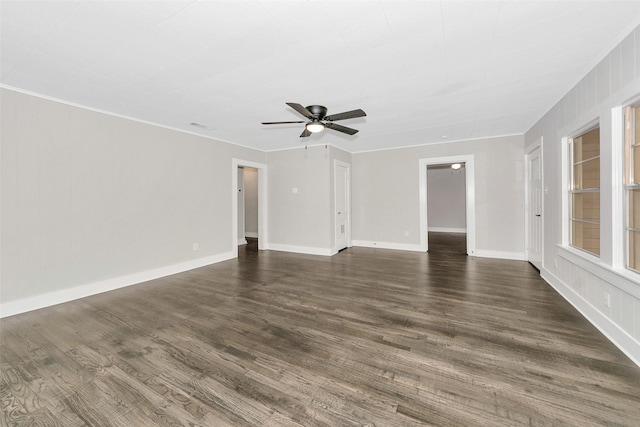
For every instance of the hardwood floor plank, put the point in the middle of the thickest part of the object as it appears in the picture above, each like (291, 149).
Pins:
(368, 337)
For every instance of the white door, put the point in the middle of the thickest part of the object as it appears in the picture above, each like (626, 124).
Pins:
(534, 208)
(341, 181)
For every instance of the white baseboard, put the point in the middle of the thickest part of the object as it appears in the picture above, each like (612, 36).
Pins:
(447, 230)
(242, 242)
(251, 234)
(310, 250)
(388, 245)
(516, 256)
(626, 343)
(65, 295)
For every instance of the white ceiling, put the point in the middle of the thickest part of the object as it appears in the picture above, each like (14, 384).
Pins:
(422, 70)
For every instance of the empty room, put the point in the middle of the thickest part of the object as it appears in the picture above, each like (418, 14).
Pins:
(319, 213)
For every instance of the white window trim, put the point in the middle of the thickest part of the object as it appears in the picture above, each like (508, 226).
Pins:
(567, 185)
(620, 198)
(619, 212)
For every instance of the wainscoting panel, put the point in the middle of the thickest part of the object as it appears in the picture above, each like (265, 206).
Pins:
(608, 299)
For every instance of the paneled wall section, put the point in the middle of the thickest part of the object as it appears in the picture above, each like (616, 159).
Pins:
(600, 287)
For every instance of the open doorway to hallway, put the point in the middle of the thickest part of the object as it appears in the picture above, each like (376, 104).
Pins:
(446, 208)
(250, 217)
(439, 207)
(249, 204)
(250, 180)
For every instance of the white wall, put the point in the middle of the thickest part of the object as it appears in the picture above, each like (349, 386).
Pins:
(446, 207)
(386, 195)
(300, 221)
(91, 202)
(303, 221)
(582, 280)
(251, 202)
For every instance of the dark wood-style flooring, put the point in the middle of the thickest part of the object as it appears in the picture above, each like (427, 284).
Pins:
(368, 337)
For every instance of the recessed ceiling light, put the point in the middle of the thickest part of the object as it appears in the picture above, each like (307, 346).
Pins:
(444, 137)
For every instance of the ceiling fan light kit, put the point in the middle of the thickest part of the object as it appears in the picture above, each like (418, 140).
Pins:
(319, 119)
(315, 127)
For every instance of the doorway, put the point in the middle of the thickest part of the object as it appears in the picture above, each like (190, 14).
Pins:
(534, 205)
(469, 198)
(247, 205)
(238, 201)
(241, 201)
(250, 179)
(446, 208)
(342, 194)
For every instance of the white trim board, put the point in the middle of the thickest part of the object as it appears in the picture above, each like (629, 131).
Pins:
(388, 245)
(618, 193)
(309, 250)
(65, 295)
(516, 256)
(447, 230)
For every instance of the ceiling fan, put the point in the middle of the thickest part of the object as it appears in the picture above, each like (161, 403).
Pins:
(318, 119)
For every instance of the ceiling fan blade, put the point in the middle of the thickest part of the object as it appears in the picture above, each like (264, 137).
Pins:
(300, 109)
(305, 133)
(279, 123)
(341, 128)
(346, 115)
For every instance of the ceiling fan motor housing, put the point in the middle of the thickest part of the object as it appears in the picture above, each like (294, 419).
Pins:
(318, 111)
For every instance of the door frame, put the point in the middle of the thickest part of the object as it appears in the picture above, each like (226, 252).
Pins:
(470, 197)
(262, 203)
(240, 213)
(536, 145)
(338, 163)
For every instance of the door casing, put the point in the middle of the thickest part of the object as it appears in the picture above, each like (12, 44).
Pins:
(470, 199)
(263, 234)
(534, 208)
(342, 209)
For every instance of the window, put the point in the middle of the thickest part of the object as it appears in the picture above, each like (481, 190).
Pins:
(584, 197)
(632, 185)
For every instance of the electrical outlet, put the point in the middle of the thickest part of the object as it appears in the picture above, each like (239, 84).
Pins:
(406, 234)
(607, 299)
(195, 247)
